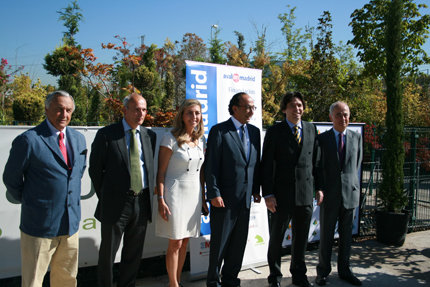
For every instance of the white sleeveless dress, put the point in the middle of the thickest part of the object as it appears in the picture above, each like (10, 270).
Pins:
(182, 191)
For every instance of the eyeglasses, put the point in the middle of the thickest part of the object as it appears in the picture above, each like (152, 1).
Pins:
(249, 108)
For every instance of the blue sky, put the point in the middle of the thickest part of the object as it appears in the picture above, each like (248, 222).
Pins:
(30, 29)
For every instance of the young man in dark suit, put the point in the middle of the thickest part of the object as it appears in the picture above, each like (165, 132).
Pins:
(287, 168)
(122, 172)
(338, 192)
(232, 177)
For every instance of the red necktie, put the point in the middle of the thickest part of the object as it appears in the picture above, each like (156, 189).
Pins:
(63, 148)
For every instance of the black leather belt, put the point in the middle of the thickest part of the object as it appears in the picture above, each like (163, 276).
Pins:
(134, 194)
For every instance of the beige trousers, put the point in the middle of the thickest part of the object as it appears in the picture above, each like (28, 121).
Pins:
(37, 254)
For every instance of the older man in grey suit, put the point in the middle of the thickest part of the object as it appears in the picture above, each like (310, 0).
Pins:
(338, 191)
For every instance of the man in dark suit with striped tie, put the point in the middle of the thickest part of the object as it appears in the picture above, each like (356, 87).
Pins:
(288, 160)
(338, 191)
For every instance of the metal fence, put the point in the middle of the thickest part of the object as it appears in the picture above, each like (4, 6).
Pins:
(416, 182)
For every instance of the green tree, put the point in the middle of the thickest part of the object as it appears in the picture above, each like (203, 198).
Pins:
(71, 18)
(323, 84)
(216, 49)
(369, 26)
(295, 40)
(240, 41)
(391, 192)
(66, 62)
(28, 103)
(147, 79)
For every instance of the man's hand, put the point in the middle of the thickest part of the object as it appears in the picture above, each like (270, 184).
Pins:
(257, 197)
(217, 201)
(319, 196)
(271, 203)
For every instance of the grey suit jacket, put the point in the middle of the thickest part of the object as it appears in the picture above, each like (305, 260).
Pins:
(340, 184)
(37, 175)
(287, 168)
(228, 173)
(110, 169)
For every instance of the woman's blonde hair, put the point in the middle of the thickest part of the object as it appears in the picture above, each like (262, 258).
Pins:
(179, 131)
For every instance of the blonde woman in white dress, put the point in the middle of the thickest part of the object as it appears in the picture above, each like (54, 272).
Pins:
(179, 186)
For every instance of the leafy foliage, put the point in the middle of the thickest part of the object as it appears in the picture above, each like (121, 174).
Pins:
(28, 104)
(391, 192)
(369, 26)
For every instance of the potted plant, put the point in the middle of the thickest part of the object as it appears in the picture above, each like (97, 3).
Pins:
(391, 220)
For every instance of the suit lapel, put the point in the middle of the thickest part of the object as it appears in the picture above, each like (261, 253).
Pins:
(51, 141)
(146, 145)
(332, 145)
(233, 132)
(73, 145)
(288, 134)
(122, 145)
(348, 144)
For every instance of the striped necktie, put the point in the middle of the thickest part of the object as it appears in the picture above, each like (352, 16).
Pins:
(297, 134)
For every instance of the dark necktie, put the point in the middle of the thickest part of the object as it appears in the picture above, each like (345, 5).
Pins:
(135, 172)
(63, 148)
(297, 134)
(243, 138)
(341, 150)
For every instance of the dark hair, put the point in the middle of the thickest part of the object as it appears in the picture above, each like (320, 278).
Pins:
(235, 101)
(289, 96)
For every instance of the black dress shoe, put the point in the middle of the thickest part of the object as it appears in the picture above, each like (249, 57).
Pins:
(303, 282)
(320, 280)
(351, 279)
(275, 284)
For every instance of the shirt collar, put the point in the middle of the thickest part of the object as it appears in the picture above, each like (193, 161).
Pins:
(126, 126)
(336, 133)
(236, 123)
(291, 125)
(54, 130)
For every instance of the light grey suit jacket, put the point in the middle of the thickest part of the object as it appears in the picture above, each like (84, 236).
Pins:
(340, 184)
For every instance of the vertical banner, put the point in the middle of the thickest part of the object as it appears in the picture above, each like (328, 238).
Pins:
(314, 229)
(214, 85)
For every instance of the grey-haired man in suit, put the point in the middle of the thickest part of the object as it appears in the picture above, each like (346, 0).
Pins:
(122, 172)
(43, 173)
(338, 191)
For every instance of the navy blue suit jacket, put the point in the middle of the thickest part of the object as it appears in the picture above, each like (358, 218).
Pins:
(227, 171)
(37, 176)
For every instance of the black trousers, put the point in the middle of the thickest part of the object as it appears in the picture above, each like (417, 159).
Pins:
(329, 215)
(229, 233)
(132, 225)
(301, 218)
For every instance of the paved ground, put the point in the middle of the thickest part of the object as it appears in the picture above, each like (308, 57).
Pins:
(373, 263)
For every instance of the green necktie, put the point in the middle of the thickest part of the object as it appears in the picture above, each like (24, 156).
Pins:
(297, 134)
(135, 168)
